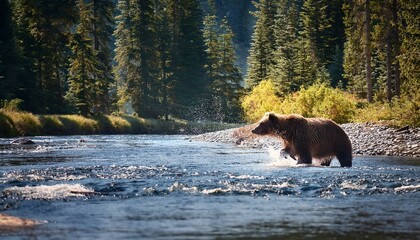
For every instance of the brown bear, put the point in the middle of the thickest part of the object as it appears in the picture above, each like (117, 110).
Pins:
(307, 138)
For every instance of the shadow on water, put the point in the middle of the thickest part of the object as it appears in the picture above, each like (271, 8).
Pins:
(391, 160)
(166, 187)
(32, 161)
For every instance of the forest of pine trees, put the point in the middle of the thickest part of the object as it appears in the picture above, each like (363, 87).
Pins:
(183, 58)
(369, 47)
(102, 56)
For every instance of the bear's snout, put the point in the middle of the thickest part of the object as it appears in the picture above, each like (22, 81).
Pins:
(257, 130)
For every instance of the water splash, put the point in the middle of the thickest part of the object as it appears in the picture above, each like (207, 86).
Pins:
(409, 188)
(58, 191)
(278, 159)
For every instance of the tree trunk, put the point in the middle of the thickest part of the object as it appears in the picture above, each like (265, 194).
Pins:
(368, 53)
(388, 65)
(59, 85)
(397, 47)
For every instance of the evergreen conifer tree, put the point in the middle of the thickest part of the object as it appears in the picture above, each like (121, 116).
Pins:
(354, 62)
(315, 48)
(263, 43)
(103, 27)
(42, 29)
(136, 55)
(230, 76)
(221, 68)
(191, 85)
(84, 65)
(410, 48)
(166, 56)
(9, 64)
(283, 72)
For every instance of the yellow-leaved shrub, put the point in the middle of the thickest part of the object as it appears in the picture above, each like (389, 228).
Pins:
(260, 100)
(318, 100)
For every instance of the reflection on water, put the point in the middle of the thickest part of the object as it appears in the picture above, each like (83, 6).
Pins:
(167, 187)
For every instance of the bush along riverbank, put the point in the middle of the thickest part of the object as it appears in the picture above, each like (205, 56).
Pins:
(18, 124)
(366, 139)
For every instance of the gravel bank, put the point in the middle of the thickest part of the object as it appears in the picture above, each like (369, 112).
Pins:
(366, 138)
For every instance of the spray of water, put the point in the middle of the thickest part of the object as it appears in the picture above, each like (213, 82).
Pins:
(278, 159)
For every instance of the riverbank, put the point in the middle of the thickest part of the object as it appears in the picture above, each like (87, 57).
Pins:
(366, 138)
(19, 124)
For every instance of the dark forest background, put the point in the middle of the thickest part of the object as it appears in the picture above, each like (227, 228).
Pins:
(195, 60)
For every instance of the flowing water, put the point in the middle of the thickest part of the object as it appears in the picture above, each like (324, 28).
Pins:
(167, 187)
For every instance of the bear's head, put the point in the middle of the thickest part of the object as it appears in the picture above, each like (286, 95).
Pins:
(267, 124)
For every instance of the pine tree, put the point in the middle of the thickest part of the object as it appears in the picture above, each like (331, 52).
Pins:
(123, 67)
(42, 29)
(263, 43)
(8, 54)
(211, 38)
(191, 85)
(315, 52)
(409, 58)
(370, 61)
(354, 62)
(84, 65)
(136, 55)
(230, 85)
(166, 56)
(336, 70)
(368, 50)
(385, 44)
(336, 34)
(221, 68)
(317, 31)
(283, 72)
(103, 26)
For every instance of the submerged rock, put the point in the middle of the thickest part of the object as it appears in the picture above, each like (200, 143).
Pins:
(22, 141)
(7, 221)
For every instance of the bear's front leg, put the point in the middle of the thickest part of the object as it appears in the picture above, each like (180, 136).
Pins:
(304, 157)
(287, 152)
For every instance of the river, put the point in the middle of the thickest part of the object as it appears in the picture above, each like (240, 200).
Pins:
(168, 187)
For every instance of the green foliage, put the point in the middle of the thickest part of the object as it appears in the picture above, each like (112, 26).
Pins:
(9, 58)
(296, 43)
(42, 30)
(400, 112)
(222, 71)
(409, 58)
(11, 105)
(168, 64)
(136, 55)
(394, 46)
(103, 27)
(263, 43)
(191, 84)
(284, 71)
(84, 65)
(53, 125)
(160, 57)
(90, 72)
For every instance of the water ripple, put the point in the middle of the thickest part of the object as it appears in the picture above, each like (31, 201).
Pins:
(132, 181)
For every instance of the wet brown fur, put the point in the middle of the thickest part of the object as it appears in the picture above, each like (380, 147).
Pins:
(308, 138)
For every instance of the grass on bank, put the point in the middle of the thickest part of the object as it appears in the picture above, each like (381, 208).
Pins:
(17, 123)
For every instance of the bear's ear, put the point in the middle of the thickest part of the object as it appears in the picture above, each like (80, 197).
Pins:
(272, 116)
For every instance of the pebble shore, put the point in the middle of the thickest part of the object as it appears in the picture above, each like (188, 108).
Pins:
(366, 139)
